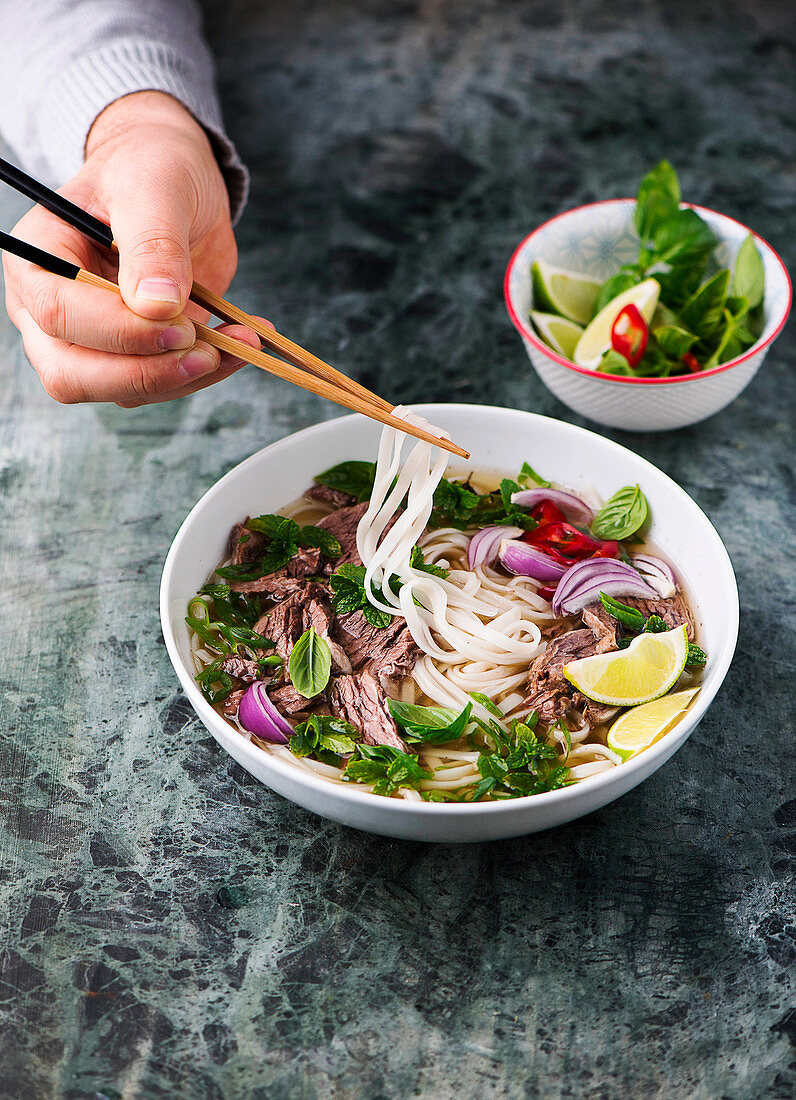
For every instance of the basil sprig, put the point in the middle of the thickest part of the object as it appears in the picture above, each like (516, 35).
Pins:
(310, 664)
(283, 537)
(431, 725)
(622, 515)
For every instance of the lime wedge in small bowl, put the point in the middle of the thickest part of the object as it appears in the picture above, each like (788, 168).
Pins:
(649, 667)
(640, 727)
(596, 338)
(562, 335)
(568, 293)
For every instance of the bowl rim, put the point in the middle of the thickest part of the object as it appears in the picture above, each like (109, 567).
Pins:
(528, 333)
(222, 729)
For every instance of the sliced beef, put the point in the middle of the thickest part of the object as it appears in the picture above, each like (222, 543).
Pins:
(307, 606)
(361, 700)
(602, 625)
(390, 652)
(232, 702)
(550, 695)
(242, 669)
(343, 525)
(245, 546)
(336, 497)
(303, 564)
(674, 611)
(594, 713)
(288, 701)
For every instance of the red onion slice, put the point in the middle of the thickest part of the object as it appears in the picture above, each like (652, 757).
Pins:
(484, 544)
(526, 561)
(573, 507)
(258, 715)
(658, 573)
(583, 582)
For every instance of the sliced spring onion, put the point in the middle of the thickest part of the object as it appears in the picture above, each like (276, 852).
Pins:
(258, 715)
(484, 544)
(583, 582)
(525, 560)
(573, 507)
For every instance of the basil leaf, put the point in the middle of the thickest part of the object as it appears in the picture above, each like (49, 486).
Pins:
(617, 284)
(432, 725)
(703, 311)
(674, 340)
(734, 338)
(630, 617)
(622, 515)
(658, 198)
(748, 275)
(310, 664)
(683, 238)
(528, 476)
(487, 703)
(354, 477)
(614, 363)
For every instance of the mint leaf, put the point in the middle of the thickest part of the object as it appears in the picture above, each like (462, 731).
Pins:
(387, 768)
(354, 477)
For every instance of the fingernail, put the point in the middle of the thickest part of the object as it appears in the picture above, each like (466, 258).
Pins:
(198, 362)
(158, 290)
(176, 337)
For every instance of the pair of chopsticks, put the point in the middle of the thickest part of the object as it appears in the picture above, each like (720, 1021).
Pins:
(302, 368)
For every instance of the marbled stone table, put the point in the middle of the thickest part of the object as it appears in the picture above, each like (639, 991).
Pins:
(169, 927)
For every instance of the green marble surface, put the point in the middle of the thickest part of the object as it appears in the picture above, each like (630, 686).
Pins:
(169, 927)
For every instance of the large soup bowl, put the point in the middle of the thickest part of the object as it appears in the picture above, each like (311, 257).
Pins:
(499, 439)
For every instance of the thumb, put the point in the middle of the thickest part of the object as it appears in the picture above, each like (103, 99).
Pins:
(152, 233)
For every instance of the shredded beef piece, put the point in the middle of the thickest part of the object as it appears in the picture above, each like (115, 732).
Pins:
(242, 669)
(390, 652)
(288, 701)
(360, 700)
(245, 546)
(602, 625)
(307, 606)
(304, 563)
(343, 525)
(594, 713)
(232, 702)
(674, 611)
(336, 497)
(550, 695)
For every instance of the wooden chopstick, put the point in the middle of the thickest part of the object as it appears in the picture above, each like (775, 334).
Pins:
(323, 387)
(102, 234)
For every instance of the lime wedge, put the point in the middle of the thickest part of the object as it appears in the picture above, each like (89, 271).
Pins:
(567, 293)
(596, 338)
(562, 335)
(649, 667)
(637, 729)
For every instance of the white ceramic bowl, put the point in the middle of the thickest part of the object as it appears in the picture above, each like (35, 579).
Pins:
(597, 240)
(500, 439)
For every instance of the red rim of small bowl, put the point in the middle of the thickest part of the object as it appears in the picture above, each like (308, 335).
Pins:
(526, 330)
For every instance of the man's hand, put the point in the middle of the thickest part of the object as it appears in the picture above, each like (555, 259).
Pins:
(151, 174)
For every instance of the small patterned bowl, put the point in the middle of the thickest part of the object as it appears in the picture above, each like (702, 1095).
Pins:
(596, 240)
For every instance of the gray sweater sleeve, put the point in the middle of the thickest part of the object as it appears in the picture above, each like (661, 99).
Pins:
(63, 61)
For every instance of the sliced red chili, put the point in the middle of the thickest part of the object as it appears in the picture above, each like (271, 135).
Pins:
(691, 362)
(547, 512)
(630, 335)
(566, 544)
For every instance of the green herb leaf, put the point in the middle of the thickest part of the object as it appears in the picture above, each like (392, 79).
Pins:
(376, 617)
(622, 515)
(528, 476)
(487, 703)
(617, 284)
(734, 338)
(748, 275)
(453, 503)
(630, 617)
(417, 561)
(348, 585)
(614, 363)
(387, 768)
(658, 198)
(310, 664)
(353, 477)
(655, 625)
(696, 657)
(703, 311)
(674, 340)
(211, 675)
(325, 541)
(432, 725)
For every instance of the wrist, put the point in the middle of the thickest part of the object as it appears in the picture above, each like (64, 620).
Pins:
(141, 110)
